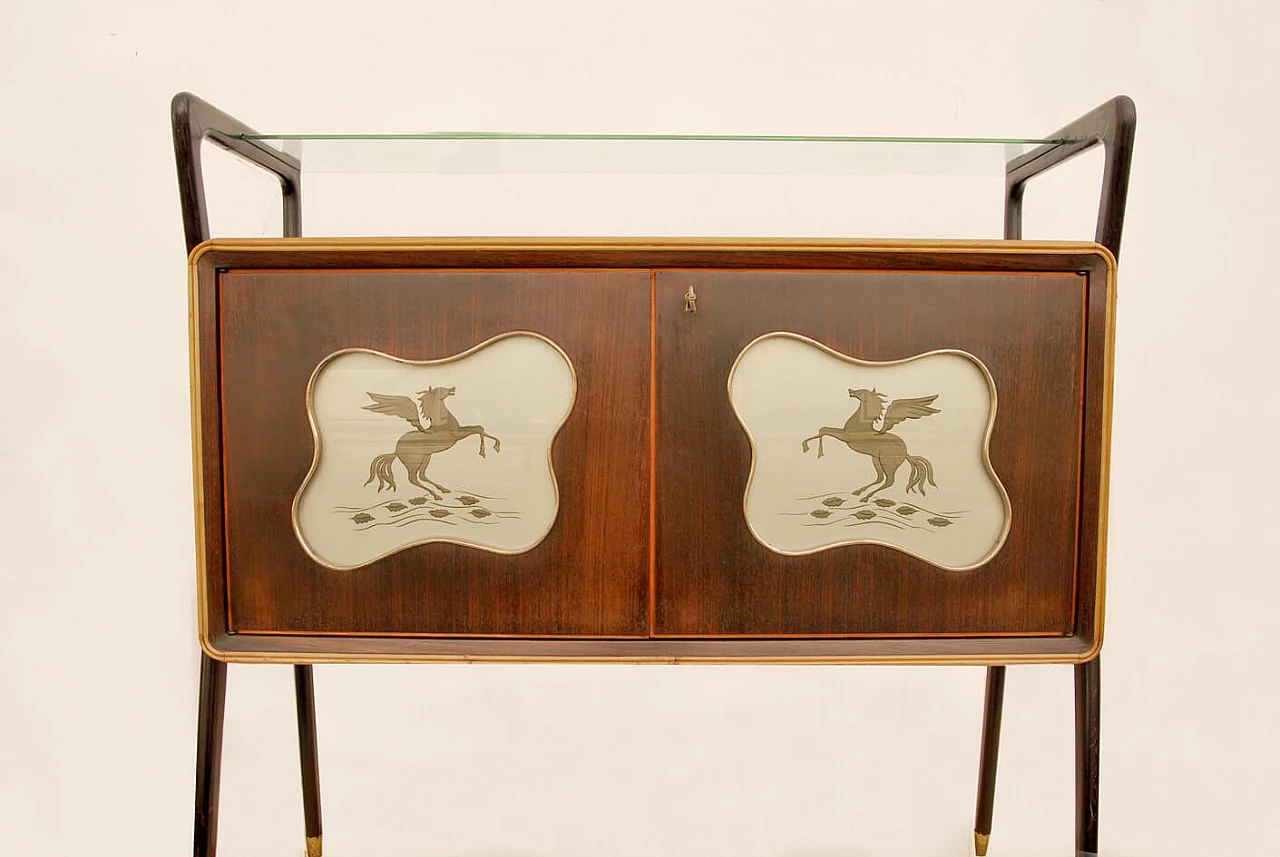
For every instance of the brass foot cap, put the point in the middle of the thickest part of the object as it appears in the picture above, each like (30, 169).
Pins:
(980, 841)
(314, 846)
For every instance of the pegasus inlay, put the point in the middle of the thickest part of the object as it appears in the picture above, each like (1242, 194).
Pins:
(355, 508)
(951, 510)
(415, 448)
(887, 450)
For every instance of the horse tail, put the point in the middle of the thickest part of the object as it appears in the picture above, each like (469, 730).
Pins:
(921, 470)
(380, 468)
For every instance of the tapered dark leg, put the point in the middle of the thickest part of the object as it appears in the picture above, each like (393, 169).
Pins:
(213, 697)
(1088, 717)
(991, 712)
(1111, 125)
(194, 121)
(308, 755)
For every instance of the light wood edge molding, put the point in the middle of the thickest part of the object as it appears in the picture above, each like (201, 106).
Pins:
(833, 245)
(830, 245)
(197, 458)
(1104, 478)
(238, 657)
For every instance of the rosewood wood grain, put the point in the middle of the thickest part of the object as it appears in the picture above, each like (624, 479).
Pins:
(714, 578)
(583, 579)
(207, 443)
(589, 576)
(272, 323)
(1095, 458)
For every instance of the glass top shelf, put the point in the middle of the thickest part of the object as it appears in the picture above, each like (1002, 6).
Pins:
(498, 153)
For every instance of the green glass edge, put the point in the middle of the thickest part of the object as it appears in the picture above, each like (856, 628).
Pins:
(716, 138)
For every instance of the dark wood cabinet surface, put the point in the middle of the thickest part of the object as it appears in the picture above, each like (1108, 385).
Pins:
(589, 577)
(715, 578)
(649, 557)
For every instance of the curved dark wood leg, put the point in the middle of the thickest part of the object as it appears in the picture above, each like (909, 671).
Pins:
(1088, 721)
(308, 756)
(212, 705)
(194, 121)
(1111, 125)
(991, 712)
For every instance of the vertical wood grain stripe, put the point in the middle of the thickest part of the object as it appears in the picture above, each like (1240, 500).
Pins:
(1082, 408)
(653, 451)
(215, 344)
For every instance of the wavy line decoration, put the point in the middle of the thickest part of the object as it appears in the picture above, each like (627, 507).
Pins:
(410, 452)
(848, 452)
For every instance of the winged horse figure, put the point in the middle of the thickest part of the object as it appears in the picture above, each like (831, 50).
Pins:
(887, 450)
(415, 448)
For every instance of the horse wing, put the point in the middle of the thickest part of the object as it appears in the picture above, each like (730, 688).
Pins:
(908, 409)
(396, 406)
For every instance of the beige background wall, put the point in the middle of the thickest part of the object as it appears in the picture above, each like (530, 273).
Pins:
(98, 660)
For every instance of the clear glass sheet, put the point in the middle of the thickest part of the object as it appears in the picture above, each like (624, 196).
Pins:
(479, 184)
(468, 153)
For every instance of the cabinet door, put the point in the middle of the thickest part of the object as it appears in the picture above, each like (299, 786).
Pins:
(978, 533)
(415, 406)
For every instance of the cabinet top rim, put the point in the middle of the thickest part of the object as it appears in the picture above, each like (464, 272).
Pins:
(671, 249)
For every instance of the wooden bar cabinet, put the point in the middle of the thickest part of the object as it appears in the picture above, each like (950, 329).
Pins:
(637, 450)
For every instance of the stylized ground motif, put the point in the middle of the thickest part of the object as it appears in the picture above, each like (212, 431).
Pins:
(909, 471)
(375, 488)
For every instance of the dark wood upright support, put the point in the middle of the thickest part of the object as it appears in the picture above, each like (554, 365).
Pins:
(991, 713)
(194, 121)
(1111, 125)
(308, 755)
(1088, 731)
(212, 704)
